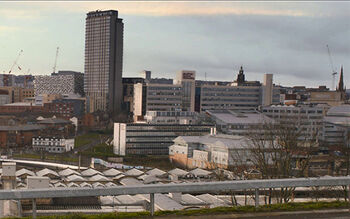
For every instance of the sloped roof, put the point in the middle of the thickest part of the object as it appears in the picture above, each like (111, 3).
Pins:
(67, 172)
(210, 199)
(72, 184)
(110, 184)
(75, 178)
(21, 185)
(142, 177)
(126, 199)
(156, 172)
(200, 172)
(118, 177)
(133, 172)
(178, 172)
(99, 178)
(85, 185)
(231, 117)
(112, 172)
(53, 121)
(60, 185)
(90, 172)
(98, 185)
(45, 172)
(24, 171)
(191, 200)
(150, 179)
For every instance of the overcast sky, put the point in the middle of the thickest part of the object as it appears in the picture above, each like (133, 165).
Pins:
(287, 39)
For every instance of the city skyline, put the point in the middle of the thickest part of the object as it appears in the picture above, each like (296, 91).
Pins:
(288, 39)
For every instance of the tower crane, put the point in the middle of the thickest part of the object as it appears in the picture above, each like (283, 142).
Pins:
(54, 67)
(334, 73)
(15, 62)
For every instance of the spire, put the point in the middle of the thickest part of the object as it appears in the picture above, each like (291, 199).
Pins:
(341, 81)
(240, 77)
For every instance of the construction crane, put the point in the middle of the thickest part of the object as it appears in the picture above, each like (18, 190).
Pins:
(334, 73)
(15, 62)
(54, 67)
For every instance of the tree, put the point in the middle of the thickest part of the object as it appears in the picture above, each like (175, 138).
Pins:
(280, 149)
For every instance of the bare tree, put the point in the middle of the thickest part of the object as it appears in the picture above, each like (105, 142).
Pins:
(277, 150)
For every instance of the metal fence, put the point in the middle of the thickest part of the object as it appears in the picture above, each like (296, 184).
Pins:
(152, 189)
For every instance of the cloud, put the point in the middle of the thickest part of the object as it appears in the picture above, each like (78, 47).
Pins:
(176, 8)
(5, 30)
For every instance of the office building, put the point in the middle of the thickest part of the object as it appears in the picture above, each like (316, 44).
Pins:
(337, 126)
(239, 95)
(151, 139)
(187, 79)
(156, 97)
(308, 118)
(104, 61)
(63, 83)
(238, 123)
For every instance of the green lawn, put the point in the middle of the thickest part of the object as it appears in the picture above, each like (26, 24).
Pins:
(48, 157)
(99, 151)
(85, 139)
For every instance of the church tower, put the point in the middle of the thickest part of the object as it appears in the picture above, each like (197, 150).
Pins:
(240, 77)
(341, 81)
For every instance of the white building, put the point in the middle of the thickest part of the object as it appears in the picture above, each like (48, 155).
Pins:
(210, 151)
(52, 144)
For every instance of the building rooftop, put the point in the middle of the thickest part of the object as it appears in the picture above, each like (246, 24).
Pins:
(231, 117)
(343, 110)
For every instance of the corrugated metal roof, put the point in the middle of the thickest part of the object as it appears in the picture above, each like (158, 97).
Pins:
(112, 172)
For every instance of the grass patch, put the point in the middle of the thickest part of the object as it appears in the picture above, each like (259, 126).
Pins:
(85, 139)
(99, 151)
(210, 211)
(47, 157)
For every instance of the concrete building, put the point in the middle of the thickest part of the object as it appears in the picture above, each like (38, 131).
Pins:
(209, 151)
(156, 97)
(4, 97)
(52, 144)
(173, 117)
(238, 123)
(239, 95)
(63, 83)
(309, 118)
(7, 80)
(267, 90)
(18, 94)
(104, 61)
(187, 79)
(337, 126)
(128, 93)
(150, 138)
(332, 98)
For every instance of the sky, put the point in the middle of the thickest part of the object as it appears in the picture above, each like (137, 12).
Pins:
(287, 39)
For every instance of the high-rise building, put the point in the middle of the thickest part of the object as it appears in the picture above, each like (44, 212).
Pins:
(187, 80)
(104, 61)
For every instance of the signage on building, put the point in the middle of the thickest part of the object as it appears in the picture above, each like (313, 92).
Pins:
(188, 75)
